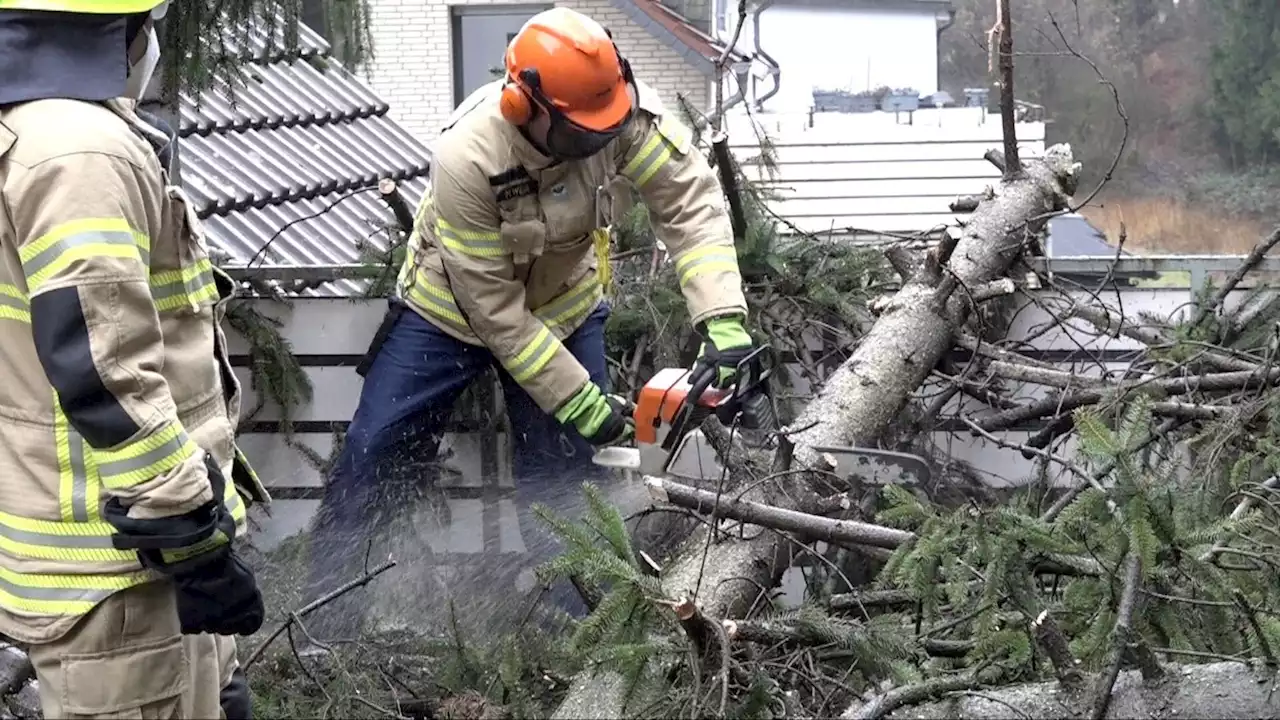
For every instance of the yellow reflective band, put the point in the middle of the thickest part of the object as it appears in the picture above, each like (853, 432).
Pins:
(438, 301)
(573, 305)
(235, 506)
(14, 304)
(144, 459)
(712, 258)
(534, 356)
(600, 238)
(649, 160)
(30, 539)
(675, 132)
(109, 7)
(481, 243)
(79, 240)
(77, 475)
(188, 287)
(62, 594)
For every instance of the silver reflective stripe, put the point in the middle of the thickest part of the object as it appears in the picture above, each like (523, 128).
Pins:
(79, 476)
(52, 593)
(13, 302)
(31, 537)
(717, 256)
(150, 457)
(164, 291)
(549, 313)
(46, 257)
(546, 340)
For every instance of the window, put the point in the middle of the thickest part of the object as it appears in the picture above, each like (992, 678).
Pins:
(481, 34)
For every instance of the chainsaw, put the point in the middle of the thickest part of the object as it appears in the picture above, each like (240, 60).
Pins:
(672, 406)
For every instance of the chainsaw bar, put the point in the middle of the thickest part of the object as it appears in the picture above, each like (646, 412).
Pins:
(877, 467)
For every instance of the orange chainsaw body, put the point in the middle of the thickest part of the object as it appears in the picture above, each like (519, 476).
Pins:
(660, 400)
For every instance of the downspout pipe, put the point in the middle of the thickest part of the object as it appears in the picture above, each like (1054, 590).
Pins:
(951, 20)
(776, 71)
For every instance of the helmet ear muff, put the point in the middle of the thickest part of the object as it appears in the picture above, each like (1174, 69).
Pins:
(516, 105)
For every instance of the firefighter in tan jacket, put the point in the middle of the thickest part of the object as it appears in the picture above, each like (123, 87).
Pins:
(503, 265)
(118, 466)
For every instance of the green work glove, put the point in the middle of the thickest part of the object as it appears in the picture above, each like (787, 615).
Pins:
(729, 344)
(600, 419)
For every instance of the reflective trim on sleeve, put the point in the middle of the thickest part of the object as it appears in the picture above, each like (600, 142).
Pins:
(480, 243)
(710, 258)
(14, 304)
(572, 306)
(188, 287)
(76, 240)
(534, 357)
(146, 458)
(649, 160)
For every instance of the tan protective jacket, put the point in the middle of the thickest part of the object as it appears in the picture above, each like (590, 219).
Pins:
(109, 316)
(506, 248)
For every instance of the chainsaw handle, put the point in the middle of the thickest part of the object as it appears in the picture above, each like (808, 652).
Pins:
(700, 378)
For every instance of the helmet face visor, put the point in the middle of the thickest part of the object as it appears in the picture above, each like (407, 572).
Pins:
(573, 134)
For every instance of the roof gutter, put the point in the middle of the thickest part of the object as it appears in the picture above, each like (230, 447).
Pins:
(774, 69)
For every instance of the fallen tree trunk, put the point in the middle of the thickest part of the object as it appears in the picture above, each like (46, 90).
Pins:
(1211, 691)
(915, 330)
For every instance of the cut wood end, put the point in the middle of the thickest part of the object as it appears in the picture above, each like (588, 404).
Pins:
(684, 608)
(645, 556)
(657, 490)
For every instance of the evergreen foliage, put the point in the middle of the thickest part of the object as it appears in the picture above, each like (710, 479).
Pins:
(196, 58)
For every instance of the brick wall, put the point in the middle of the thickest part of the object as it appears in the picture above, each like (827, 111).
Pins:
(413, 67)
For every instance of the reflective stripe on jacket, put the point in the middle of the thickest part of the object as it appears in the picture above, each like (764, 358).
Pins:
(504, 248)
(109, 312)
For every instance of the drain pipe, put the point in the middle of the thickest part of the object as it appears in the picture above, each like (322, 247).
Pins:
(760, 53)
(951, 20)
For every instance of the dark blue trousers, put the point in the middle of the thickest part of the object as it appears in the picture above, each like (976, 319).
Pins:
(409, 392)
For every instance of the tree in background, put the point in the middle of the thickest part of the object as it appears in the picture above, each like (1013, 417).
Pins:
(1244, 71)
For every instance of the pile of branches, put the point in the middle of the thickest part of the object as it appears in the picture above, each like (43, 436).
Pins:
(1133, 574)
(1122, 579)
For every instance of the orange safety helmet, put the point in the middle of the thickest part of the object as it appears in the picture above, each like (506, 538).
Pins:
(568, 65)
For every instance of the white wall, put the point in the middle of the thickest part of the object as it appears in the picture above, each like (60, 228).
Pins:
(843, 49)
(870, 173)
(413, 68)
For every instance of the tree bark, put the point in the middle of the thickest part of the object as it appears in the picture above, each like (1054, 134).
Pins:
(1210, 691)
(859, 400)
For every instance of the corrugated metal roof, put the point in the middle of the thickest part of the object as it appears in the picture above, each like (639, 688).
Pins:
(291, 157)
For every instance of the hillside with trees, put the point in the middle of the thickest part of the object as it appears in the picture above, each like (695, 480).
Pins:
(1198, 85)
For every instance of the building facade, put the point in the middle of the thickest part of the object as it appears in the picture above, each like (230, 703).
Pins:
(429, 54)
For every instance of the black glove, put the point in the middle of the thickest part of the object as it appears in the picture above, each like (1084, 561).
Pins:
(217, 592)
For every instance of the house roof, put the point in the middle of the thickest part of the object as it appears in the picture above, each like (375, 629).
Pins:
(696, 47)
(294, 157)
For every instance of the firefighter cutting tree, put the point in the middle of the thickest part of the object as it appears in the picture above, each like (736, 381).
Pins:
(118, 468)
(505, 266)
